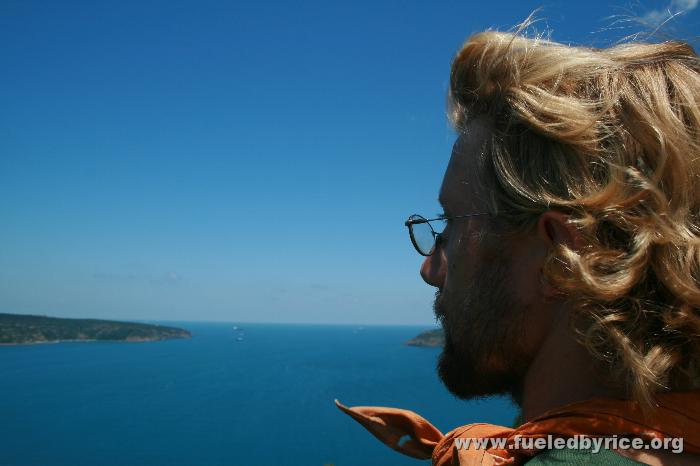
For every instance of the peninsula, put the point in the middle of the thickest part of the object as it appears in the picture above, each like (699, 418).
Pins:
(429, 338)
(18, 329)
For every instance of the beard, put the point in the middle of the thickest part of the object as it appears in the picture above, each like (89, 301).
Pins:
(484, 352)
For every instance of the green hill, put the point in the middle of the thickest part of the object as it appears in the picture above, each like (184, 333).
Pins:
(429, 338)
(22, 329)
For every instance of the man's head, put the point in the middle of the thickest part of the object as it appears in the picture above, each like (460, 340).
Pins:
(494, 307)
(589, 162)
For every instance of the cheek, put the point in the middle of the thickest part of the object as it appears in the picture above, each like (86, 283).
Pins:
(460, 254)
(459, 268)
(453, 261)
(526, 268)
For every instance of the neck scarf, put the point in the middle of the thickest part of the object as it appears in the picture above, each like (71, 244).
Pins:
(677, 414)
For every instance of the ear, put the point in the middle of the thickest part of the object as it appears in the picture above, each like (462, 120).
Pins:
(554, 228)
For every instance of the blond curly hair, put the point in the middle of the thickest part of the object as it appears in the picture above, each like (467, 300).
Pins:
(612, 137)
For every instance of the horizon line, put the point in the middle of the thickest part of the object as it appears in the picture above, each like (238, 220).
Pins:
(235, 322)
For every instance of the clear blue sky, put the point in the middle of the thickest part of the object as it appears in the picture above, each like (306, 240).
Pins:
(236, 161)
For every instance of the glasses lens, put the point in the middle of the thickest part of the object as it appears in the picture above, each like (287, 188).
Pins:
(423, 236)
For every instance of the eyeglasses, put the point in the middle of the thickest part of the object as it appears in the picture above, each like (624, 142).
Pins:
(423, 235)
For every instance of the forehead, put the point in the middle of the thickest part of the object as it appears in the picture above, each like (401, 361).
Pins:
(461, 186)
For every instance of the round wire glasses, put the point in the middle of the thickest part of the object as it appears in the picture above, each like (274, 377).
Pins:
(423, 236)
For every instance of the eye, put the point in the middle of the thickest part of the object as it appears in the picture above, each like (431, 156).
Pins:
(443, 222)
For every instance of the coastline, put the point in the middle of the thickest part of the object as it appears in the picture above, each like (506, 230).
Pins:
(90, 340)
(27, 329)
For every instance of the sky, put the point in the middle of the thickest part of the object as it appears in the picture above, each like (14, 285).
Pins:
(243, 161)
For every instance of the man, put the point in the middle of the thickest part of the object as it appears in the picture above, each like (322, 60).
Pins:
(568, 269)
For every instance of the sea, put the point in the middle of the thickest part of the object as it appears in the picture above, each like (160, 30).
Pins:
(233, 394)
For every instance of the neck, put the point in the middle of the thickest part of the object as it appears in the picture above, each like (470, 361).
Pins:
(562, 372)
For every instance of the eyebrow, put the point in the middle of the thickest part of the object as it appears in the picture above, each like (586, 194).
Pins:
(443, 203)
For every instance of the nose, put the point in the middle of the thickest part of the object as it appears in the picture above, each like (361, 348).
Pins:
(433, 268)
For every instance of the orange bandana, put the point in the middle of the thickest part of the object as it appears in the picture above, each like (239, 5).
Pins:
(677, 415)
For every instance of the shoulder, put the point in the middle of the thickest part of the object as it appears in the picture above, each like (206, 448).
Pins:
(581, 457)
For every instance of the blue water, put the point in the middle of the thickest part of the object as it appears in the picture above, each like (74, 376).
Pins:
(212, 400)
